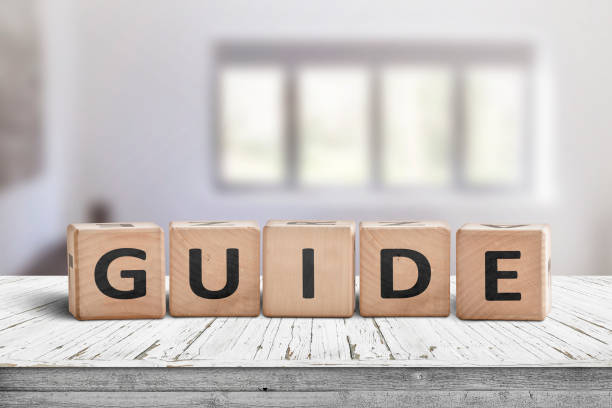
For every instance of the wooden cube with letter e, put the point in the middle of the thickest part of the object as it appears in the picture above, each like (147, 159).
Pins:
(214, 268)
(404, 268)
(116, 271)
(503, 272)
(309, 268)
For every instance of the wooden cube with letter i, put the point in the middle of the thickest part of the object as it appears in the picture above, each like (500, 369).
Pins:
(214, 268)
(404, 268)
(309, 268)
(503, 272)
(116, 271)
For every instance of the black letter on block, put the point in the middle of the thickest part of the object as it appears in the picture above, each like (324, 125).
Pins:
(195, 275)
(139, 276)
(308, 273)
(492, 275)
(386, 273)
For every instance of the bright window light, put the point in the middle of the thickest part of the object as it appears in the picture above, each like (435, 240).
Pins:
(333, 123)
(494, 123)
(374, 115)
(252, 125)
(416, 125)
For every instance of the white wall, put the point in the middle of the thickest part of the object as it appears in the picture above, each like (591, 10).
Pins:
(142, 113)
(34, 214)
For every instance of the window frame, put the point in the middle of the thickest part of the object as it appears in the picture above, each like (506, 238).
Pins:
(374, 56)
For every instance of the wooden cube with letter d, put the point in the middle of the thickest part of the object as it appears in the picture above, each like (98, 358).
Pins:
(404, 268)
(503, 272)
(116, 271)
(309, 269)
(214, 268)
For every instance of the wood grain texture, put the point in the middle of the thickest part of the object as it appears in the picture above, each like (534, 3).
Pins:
(206, 379)
(214, 239)
(524, 271)
(330, 399)
(49, 359)
(37, 330)
(515, 386)
(87, 243)
(71, 232)
(431, 239)
(332, 246)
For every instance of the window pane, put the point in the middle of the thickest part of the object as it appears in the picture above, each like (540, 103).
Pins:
(252, 125)
(333, 120)
(416, 122)
(494, 124)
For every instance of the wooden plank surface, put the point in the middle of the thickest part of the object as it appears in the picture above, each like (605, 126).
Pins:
(297, 379)
(36, 330)
(332, 399)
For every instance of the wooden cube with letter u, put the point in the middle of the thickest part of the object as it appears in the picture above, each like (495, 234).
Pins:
(214, 268)
(309, 268)
(503, 272)
(116, 271)
(404, 268)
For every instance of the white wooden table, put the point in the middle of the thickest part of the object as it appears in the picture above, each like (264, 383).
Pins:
(49, 358)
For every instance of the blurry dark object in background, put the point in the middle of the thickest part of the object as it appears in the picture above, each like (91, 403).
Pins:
(53, 260)
(20, 91)
(99, 212)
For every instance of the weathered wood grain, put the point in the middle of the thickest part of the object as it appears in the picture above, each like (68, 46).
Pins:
(207, 379)
(330, 399)
(37, 330)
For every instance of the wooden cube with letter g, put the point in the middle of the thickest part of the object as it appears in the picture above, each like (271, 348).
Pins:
(116, 271)
(503, 272)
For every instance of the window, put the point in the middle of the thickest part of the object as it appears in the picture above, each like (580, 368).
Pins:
(373, 115)
(333, 125)
(416, 119)
(493, 110)
(252, 125)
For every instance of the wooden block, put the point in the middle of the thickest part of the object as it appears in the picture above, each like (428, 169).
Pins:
(503, 272)
(116, 271)
(404, 268)
(309, 268)
(214, 268)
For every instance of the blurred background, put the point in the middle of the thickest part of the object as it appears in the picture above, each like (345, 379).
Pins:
(472, 111)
